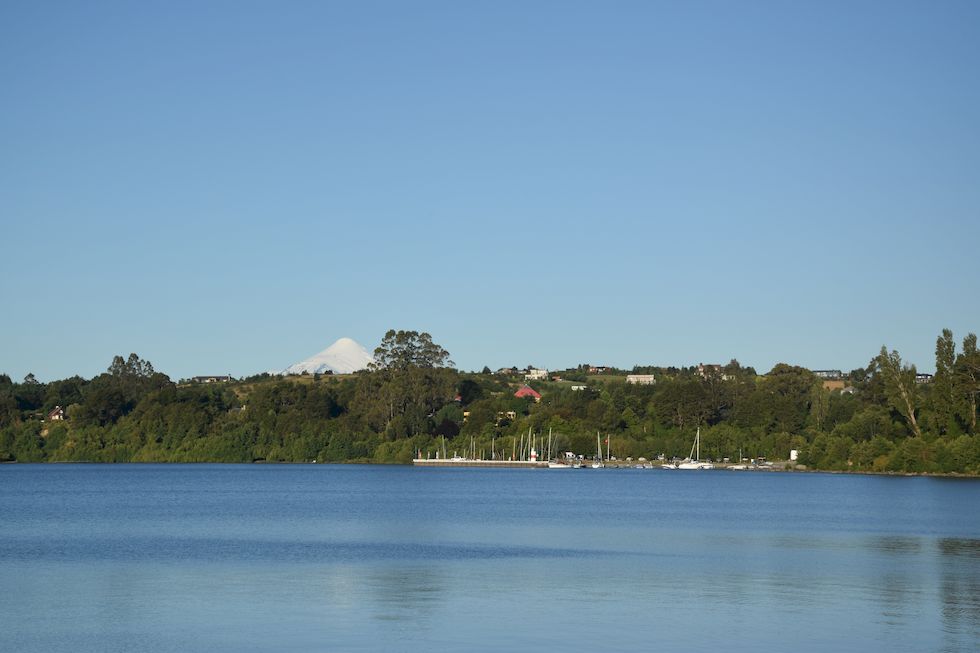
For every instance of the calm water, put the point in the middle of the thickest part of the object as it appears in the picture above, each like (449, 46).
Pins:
(324, 558)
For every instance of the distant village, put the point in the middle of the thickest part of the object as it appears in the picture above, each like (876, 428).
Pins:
(832, 379)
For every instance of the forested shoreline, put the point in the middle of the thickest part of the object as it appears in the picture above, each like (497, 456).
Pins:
(882, 418)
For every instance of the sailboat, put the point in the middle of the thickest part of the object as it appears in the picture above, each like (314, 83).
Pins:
(553, 461)
(598, 456)
(694, 460)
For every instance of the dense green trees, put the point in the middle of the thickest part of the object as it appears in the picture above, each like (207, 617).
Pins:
(887, 420)
(943, 387)
(900, 387)
(966, 379)
(412, 379)
(401, 350)
(111, 395)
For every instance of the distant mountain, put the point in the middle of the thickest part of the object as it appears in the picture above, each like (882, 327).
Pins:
(342, 357)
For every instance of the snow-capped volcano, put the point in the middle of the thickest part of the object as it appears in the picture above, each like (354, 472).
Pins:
(342, 357)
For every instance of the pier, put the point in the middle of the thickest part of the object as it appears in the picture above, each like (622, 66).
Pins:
(469, 462)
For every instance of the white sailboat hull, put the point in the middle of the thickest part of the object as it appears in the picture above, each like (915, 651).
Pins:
(695, 464)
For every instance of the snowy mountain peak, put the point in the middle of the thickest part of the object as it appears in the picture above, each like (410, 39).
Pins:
(342, 357)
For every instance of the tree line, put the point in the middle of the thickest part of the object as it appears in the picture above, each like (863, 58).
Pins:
(412, 400)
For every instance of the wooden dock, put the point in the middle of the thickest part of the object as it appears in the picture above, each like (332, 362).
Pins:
(466, 462)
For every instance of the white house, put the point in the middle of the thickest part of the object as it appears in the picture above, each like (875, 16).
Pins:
(832, 375)
(711, 369)
(640, 379)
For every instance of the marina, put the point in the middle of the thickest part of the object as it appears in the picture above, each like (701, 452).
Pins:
(579, 464)
(469, 462)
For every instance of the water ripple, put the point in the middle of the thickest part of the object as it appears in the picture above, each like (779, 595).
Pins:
(94, 549)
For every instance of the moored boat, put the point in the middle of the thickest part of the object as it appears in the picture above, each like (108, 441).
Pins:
(694, 460)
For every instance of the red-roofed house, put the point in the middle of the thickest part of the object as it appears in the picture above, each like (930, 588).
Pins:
(527, 391)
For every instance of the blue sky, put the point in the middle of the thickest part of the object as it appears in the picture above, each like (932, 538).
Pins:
(228, 187)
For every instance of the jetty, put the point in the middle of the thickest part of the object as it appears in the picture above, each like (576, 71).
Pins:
(525, 458)
(471, 462)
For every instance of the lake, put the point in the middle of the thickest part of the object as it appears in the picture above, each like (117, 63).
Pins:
(363, 558)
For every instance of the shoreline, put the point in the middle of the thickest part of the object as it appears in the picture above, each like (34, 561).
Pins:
(500, 464)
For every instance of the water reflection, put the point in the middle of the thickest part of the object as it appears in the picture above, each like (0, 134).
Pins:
(837, 575)
(897, 586)
(959, 560)
(406, 594)
(389, 559)
(220, 549)
(955, 546)
(899, 596)
(895, 544)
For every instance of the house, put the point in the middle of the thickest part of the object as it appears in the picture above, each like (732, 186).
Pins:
(210, 379)
(579, 388)
(640, 379)
(536, 375)
(831, 375)
(598, 369)
(711, 369)
(923, 378)
(57, 414)
(704, 370)
(527, 391)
